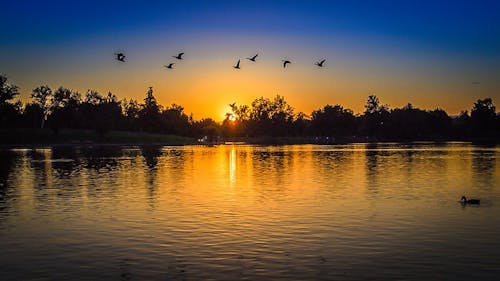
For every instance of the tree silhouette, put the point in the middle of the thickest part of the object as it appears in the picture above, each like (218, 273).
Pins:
(175, 121)
(264, 117)
(42, 96)
(9, 112)
(333, 121)
(7, 91)
(65, 109)
(375, 117)
(150, 115)
(483, 117)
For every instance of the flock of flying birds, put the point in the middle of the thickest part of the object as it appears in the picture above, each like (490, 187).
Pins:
(121, 57)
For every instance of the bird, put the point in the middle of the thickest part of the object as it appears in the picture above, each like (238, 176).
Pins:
(120, 57)
(169, 66)
(237, 66)
(179, 56)
(285, 62)
(253, 58)
(320, 63)
(476, 83)
(464, 201)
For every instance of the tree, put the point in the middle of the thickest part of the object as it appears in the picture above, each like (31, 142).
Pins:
(7, 91)
(109, 113)
(483, 117)
(174, 120)
(65, 109)
(131, 111)
(271, 117)
(372, 105)
(301, 124)
(150, 114)
(375, 117)
(42, 96)
(409, 123)
(333, 121)
(9, 112)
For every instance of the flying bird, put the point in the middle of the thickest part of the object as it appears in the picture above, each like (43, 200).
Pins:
(179, 56)
(169, 66)
(320, 63)
(253, 58)
(120, 57)
(285, 62)
(237, 66)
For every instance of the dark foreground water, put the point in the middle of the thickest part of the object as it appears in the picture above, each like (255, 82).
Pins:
(361, 211)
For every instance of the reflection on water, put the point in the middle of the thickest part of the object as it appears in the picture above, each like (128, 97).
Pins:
(360, 211)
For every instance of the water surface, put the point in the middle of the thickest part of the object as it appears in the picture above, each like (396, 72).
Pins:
(304, 212)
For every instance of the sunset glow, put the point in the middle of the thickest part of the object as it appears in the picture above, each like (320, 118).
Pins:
(401, 51)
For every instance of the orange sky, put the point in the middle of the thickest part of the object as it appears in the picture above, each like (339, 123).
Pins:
(205, 82)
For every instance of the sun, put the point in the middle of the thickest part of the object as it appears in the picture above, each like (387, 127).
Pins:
(229, 116)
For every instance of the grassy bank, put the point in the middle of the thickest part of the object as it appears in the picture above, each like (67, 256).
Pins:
(86, 137)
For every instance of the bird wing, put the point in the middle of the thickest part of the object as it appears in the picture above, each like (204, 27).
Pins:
(254, 57)
(180, 55)
(322, 61)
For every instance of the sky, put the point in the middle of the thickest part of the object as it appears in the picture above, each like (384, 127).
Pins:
(433, 54)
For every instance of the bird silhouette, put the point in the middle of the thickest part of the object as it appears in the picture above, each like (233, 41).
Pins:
(285, 62)
(120, 57)
(179, 56)
(253, 58)
(320, 63)
(169, 66)
(237, 66)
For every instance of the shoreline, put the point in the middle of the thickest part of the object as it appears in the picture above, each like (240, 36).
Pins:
(37, 138)
(145, 144)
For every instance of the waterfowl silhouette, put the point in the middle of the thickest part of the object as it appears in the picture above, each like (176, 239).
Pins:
(285, 62)
(253, 58)
(120, 57)
(169, 66)
(464, 201)
(237, 66)
(179, 56)
(320, 63)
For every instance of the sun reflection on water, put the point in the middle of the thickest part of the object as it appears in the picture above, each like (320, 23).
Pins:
(232, 165)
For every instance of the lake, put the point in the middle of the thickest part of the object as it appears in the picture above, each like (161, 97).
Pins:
(302, 212)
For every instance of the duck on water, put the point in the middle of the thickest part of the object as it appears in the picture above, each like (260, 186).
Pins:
(464, 201)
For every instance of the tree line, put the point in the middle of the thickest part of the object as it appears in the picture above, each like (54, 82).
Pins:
(63, 108)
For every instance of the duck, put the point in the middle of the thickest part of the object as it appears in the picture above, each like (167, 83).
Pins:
(464, 201)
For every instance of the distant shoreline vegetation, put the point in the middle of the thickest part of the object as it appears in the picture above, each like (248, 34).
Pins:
(65, 116)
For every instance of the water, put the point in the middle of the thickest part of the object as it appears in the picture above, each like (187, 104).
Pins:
(305, 212)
